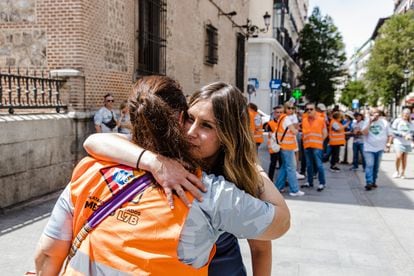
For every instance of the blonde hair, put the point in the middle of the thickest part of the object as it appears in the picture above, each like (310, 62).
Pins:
(238, 156)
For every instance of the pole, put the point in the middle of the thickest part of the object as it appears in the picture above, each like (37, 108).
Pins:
(406, 89)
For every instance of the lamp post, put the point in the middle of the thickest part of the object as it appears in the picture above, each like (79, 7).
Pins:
(286, 87)
(254, 30)
(406, 77)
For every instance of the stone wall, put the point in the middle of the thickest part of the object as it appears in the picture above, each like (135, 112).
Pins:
(97, 40)
(38, 153)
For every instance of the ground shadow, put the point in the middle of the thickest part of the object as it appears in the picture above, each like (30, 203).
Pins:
(347, 186)
(22, 216)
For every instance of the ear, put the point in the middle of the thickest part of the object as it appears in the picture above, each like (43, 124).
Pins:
(181, 118)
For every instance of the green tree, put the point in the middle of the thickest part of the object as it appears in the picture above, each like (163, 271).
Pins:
(354, 90)
(392, 52)
(322, 54)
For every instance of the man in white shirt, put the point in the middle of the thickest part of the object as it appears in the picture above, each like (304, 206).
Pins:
(105, 119)
(377, 137)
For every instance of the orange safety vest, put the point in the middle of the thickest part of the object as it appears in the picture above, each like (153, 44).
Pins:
(289, 141)
(312, 132)
(336, 138)
(273, 125)
(140, 238)
(256, 126)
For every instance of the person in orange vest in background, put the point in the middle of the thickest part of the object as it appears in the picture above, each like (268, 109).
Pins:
(271, 128)
(336, 138)
(314, 133)
(286, 136)
(256, 124)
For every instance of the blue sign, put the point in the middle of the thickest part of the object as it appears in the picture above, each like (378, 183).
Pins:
(254, 82)
(355, 104)
(275, 84)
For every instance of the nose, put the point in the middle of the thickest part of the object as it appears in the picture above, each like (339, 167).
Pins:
(192, 130)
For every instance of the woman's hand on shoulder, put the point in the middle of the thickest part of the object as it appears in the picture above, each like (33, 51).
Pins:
(172, 176)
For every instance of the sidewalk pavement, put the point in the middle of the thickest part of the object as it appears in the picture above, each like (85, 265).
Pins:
(343, 230)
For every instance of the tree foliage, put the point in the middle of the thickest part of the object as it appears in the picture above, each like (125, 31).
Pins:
(354, 90)
(392, 52)
(322, 53)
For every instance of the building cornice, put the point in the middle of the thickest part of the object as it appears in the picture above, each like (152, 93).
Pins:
(275, 44)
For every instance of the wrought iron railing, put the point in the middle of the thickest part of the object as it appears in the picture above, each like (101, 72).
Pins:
(19, 91)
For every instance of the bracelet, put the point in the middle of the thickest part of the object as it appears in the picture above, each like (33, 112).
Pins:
(139, 158)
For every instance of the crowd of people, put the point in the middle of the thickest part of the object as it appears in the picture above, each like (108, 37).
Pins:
(316, 135)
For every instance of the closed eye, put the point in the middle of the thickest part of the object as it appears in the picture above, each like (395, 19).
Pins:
(207, 125)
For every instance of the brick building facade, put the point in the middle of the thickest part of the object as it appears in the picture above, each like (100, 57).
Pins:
(102, 38)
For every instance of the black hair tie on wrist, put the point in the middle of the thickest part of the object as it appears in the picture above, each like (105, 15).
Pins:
(139, 158)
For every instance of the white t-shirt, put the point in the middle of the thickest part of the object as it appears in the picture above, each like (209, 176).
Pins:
(377, 137)
(290, 120)
(104, 115)
(294, 118)
(401, 128)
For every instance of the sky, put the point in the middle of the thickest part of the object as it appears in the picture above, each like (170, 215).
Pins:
(355, 19)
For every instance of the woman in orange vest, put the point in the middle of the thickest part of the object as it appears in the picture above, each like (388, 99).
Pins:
(110, 248)
(336, 138)
(286, 136)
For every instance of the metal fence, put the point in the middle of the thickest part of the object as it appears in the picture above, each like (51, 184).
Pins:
(22, 91)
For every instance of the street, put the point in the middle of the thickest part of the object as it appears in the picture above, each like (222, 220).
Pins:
(343, 230)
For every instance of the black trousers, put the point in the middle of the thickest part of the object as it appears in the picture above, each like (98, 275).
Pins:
(274, 159)
(334, 155)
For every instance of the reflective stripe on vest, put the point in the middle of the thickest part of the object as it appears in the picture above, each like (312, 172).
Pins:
(312, 132)
(336, 138)
(289, 141)
(140, 238)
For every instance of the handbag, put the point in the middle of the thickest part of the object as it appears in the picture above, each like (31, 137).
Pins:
(112, 123)
(273, 143)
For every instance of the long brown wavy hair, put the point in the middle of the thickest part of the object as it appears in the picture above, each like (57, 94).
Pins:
(238, 157)
(155, 105)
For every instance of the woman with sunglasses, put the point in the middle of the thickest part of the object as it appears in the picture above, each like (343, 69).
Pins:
(286, 135)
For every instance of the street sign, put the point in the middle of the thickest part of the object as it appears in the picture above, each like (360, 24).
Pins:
(254, 82)
(355, 103)
(250, 89)
(275, 84)
(297, 93)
